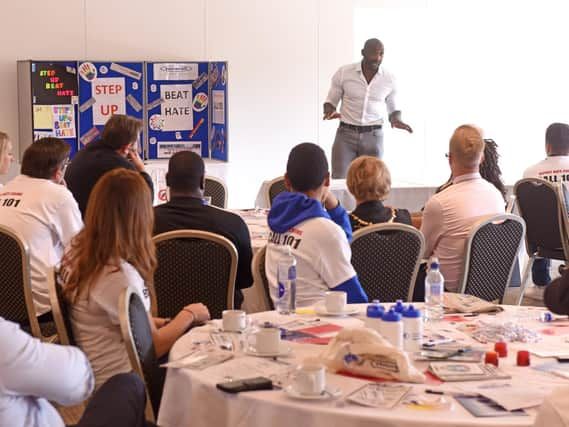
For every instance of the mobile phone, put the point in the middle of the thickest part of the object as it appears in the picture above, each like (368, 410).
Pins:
(249, 384)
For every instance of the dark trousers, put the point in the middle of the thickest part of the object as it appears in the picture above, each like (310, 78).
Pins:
(540, 271)
(120, 402)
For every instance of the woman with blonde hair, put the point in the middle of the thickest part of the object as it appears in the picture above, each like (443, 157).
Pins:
(369, 181)
(113, 251)
(6, 155)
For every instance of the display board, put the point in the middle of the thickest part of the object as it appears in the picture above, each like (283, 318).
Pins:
(107, 88)
(177, 108)
(54, 97)
(218, 74)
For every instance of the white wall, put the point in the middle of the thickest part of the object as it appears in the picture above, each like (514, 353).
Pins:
(281, 56)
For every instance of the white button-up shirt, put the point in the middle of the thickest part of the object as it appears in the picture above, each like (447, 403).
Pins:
(449, 216)
(32, 372)
(363, 103)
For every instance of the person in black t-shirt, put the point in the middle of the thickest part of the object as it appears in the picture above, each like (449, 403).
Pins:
(186, 210)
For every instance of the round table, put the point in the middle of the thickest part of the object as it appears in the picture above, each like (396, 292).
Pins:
(190, 397)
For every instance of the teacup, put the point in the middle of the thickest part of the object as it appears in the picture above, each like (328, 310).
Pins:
(234, 320)
(310, 378)
(335, 301)
(267, 340)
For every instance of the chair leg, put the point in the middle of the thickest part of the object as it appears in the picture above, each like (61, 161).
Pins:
(525, 278)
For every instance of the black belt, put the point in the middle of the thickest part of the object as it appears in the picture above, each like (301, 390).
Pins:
(360, 129)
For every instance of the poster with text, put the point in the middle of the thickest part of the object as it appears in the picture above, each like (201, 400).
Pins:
(107, 88)
(218, 75)
(176, 110)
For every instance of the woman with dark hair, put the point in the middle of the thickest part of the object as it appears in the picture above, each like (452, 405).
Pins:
(115, 250)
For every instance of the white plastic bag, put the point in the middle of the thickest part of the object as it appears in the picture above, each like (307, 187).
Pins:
(362, 351)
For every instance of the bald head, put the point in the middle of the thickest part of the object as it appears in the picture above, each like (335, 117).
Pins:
(466, 147)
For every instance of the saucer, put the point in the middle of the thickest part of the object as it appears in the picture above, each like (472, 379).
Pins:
(320, 310)
(285, 349)
(328, 393)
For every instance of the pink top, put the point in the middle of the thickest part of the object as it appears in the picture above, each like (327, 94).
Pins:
(448, 217)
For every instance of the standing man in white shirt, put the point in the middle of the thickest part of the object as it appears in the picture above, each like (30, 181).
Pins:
(449, 215)
(37, 205)
(365, 90)
(554, 168)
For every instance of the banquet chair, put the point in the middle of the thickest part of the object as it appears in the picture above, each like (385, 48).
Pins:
(194, 266)
(386, 258)
(59, 308)
(491, 251)
(137, 336)
(274, 187)
(16, 300)
(543, 206)
(217, 190)
(260, 275)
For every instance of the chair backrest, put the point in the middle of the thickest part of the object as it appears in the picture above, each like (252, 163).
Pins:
(137, 336)
(260, 275)
(194, 266)
(217, 190)
(59, 308)
(274, 187)
(386, 258)
(16, 300)
(541, 204)
(491, 250)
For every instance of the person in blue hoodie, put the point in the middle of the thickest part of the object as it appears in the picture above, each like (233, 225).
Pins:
(309, 219)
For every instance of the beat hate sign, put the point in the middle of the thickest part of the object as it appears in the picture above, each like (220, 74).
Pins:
(176, 109)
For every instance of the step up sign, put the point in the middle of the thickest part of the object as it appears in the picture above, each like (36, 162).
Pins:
(110, 95)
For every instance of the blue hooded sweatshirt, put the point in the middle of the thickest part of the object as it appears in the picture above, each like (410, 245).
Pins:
(290, 209)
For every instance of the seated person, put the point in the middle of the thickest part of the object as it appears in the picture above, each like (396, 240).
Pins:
(489, 170)
(369, 181)
(186, 210)
(117, 148)
(556, 294)
(42, 211)
(6, 155)
(113, 251)
(32, 373)
(318, 236)
(554, 168)
(449, 215)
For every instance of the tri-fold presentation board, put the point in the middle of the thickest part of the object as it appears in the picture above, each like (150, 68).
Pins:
(183, 104)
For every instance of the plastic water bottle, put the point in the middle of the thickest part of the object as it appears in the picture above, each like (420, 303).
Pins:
(286, 278)
(412, 329)
(434, 288)
(392, 328)
(374, 313)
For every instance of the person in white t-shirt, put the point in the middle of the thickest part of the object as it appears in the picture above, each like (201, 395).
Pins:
(554, 168)
(115, 250)
(6, 154)
(309, 219)
(450, 214)
(37, 206)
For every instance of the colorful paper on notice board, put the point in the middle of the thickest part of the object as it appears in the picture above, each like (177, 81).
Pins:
(63, 121)
(43, 117)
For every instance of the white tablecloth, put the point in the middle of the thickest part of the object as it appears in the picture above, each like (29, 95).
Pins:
(190, 398)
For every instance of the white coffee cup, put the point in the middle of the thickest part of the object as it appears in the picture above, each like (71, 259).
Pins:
(310, 378)
(234, 320)
(267, 340)
(335, 301)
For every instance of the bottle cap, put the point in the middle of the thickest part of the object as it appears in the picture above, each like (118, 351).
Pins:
(501, 348)
(391, 316)
(375, 310)
(411, 312)
(399, 306)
